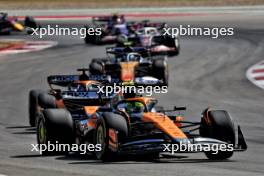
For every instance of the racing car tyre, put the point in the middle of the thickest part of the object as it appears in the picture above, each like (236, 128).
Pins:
(46, 101)
(161, 70)
(97, 39)
(55, 126)
(93, 39)
(176, 45)
(31, 23)
(88, 39)
(219, 125)
(173, 42)
(96, 68)
(108, 121)
(33, 106)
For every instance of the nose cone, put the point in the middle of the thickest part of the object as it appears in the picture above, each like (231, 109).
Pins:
(128, 71)
(18, 27)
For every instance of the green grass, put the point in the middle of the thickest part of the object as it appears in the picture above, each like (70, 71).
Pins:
(48, 4)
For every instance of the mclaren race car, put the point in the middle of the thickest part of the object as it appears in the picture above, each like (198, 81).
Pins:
(131, 64)
(12, 24)
(61, 89)
(133, 126)
(152, 38)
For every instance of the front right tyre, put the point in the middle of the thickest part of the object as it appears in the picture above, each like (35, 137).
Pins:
(217, 124)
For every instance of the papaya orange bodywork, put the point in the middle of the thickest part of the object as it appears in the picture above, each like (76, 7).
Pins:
(164, 123)
(18, 26)
(90, 109)
(128, 70)
(178, 120)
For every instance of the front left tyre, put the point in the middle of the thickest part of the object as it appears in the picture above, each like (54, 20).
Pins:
(55, 126)
(108, 121)
(33, 106)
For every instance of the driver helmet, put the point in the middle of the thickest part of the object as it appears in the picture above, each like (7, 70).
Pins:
(133, 57)
(134, 107)
(77, 87)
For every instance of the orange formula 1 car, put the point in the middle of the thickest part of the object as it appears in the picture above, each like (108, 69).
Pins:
(129, 64)
(63, 86)
(137, 126)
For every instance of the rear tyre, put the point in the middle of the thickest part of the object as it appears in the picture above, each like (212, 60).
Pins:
(96, 68)
(33, 106)
(173, 42)
(109, 121)
(98, 38)
(88, 38)
(46, 101)
(161, 70)
(30, 23)
(55, 126)
(218, 125)
(93, 39)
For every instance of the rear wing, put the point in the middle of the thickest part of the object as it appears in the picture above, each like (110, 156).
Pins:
(86, 98)
(146, 23)
(124, 50)
(86, 95)
(65, 80)
(62, 80)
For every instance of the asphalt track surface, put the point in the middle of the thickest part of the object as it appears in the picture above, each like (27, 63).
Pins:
(207, 72)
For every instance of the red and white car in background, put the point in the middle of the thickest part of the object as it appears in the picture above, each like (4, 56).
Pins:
(153, 39)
